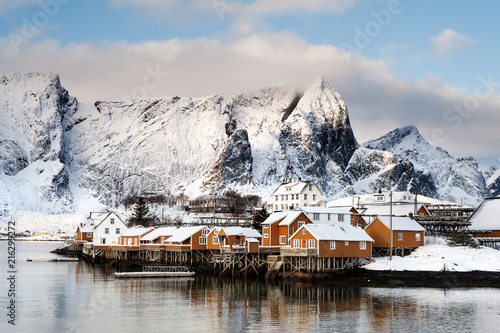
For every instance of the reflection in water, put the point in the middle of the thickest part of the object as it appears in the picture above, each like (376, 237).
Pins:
(81, 297)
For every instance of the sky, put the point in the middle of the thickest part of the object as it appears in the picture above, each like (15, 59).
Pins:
(432, 64)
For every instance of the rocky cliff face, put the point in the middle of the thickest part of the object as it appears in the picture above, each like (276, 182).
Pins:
(452, 178)
(251, 141)
(33, 174)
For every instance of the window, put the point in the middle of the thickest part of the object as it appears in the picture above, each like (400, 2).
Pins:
(286, 197)
(266, 235)
(362, 245)
(341, 217)
(103, 241)
(117, 231)
(417, 237)
(332, 245)
(329, 216)
(266, 227)
(216, 232)
(314, 196)
(346, 243)
(282, 207)
(282, 240)
(316, 216)
(301, 223)
(310, 187)
(380, 198)
(106, 230)
(305, 196)
(303, 231)
(204, 232)
(215, 240)
(311, 243)
(282, 197)
(112, 221)
(203, 240)
(89, 234)
(296, 243)
(276, 207)
(400, 236)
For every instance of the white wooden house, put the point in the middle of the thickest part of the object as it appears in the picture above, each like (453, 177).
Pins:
(292, 194)
(108, 231)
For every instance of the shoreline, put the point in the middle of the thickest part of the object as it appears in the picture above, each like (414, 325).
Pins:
(369, 278)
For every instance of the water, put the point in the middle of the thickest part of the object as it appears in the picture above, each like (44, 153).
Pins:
(66, 297)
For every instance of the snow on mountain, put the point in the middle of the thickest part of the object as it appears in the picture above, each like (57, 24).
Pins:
(33, 175)
(493, 184)
(60, 156)
(454, 179)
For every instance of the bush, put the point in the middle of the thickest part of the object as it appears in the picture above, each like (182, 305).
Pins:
(461, 238)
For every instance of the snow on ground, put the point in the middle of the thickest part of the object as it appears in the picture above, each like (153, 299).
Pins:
(439, 256)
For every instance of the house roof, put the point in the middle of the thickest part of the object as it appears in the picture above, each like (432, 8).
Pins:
(293, 187)
(239, 231)
(107, 217)
(401, 223)
(157, 233)
(183, 233)
(86, 228)
(336, 232)
(290, 217)
(385, 210)
(324, 210)
(137, 230)
(486, 216)
(252, 240)
(275, 217)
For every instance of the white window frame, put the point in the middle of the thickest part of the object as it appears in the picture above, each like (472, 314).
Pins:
(303, 231)
(362, 245)
(332, 245)
(417, 237)
(204, 232)
(215, 239)
(117, 231)
(316, 216)
(346, 243)
(203, 240)
(329, 215)
(300, 223)
(400, 236)
(305, 196)
(282, 239)
(312, 243)
(296, 243)
(266, 235)
(341, 217)
(106, 231)
(89, 234)
(112, 221)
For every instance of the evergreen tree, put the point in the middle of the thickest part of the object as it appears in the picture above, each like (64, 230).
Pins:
(141, 214)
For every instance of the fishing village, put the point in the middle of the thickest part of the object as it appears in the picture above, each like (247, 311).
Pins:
(302, 236)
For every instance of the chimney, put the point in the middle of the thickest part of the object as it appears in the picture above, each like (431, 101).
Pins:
(289, 180)
(300, 179)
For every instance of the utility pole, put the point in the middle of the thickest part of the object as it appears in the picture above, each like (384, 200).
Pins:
(390, 221)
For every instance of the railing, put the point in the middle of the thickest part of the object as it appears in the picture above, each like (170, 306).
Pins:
(174, 269)
(297, 252)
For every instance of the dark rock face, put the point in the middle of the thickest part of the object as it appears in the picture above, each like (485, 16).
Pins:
(236, 160)
(12, 157)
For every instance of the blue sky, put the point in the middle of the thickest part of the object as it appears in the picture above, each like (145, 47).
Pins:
(395, 63)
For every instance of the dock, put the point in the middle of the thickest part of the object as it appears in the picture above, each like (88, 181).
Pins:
(153, 274)
(53, 260)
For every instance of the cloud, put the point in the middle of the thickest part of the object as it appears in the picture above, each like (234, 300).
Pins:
(465, 123)
(449, 42)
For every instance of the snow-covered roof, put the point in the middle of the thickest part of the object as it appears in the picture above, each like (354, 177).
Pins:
(293, 187)
(385, 210)
(252, 240)
(290, 217)
(323, 210)
(401, 223)
(486, 216)
(351, 201)
(275, 217)
(109, 214)
(86, 228)
(183, 233)
(137, 230)
(239, 231)
(157, 233)
(336, 232)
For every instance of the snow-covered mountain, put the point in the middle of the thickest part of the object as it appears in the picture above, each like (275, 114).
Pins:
(56, 154)
(453, 178)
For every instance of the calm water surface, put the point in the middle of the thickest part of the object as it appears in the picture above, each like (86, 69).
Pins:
(79, 297)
